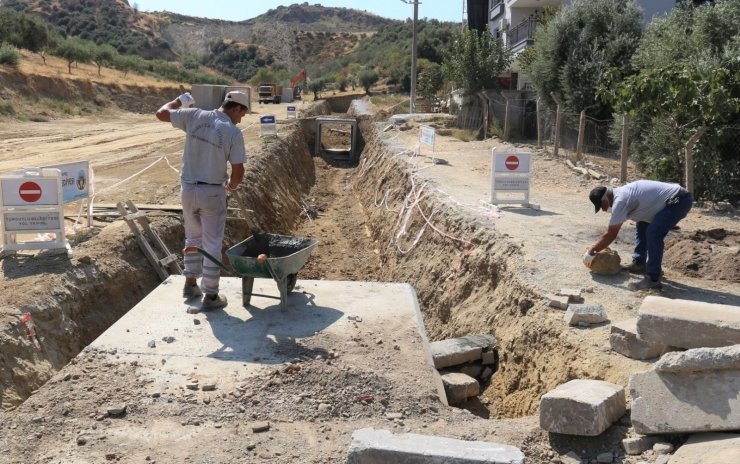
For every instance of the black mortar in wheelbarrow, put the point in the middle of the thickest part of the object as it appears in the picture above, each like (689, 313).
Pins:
(286, 256)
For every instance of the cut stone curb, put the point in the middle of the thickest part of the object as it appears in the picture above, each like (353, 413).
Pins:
(710, 448)
(459, 387)
(371, 446)
(585, 314)
(688, 324)
(582, 407)
(691, 391)
(623, 339)
(455, 351)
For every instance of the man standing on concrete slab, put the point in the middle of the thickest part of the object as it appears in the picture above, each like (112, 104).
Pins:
(212, 140)
(656, 207)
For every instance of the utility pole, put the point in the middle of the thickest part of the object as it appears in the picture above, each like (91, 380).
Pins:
(412, 105)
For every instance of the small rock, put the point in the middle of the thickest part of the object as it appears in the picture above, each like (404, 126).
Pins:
(81, 440)
(192, 310)
(152, 344)
(168, 339)
(324, 407)
(354, 318)
(196, 321)
(663, 448)
(191, 385)
(605, 458)
(117, 409)
(259, 427)
(394, 416)
(208, 387)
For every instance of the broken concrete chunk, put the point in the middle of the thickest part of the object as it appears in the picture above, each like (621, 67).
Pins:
(638, 445)
(459, 387)
(623, 339)
(370, 446)
(585, 314)
(582, 407)
(678, 398)
(557, 301)
(573, 294)
(688, 324)
(259, 427)
(454, 351)
(710, 448)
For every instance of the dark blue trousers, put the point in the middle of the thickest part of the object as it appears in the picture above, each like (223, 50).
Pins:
(649, 236)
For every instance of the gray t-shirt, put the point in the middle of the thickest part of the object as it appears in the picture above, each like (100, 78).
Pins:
(641, 200)
(212, 140)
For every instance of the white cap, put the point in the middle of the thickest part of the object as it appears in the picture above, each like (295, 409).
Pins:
(237, 97)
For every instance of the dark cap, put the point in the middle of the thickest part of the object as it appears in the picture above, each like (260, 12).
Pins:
(595, 196)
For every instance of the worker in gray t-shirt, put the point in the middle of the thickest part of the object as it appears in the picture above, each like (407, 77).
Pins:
(656, 207)
(212, 140)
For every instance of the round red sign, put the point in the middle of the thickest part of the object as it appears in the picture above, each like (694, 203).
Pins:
(30, 192)
(512, 163)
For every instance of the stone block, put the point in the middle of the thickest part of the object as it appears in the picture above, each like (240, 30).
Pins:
(489, 358)
(585, 314)
(690, 391)
(370, 446)
(454, 351)
(638, 445)
(459, 387)
(623, 339)
(557, 301)
(688, 324)
(582, 407)
(573, 294)
(710, 448)
(606, 262)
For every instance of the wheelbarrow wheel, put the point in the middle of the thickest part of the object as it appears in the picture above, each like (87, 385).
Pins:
(292, 279)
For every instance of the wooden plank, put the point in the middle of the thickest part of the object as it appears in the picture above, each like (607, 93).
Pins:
(143, 244)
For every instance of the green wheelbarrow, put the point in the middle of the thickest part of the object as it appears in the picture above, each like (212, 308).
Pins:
(286, 256)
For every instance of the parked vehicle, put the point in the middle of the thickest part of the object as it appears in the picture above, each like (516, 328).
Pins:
(270, 93)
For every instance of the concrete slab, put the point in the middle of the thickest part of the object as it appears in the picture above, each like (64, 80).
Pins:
(370, 446)
(259, 337)
(691, 391)
(710, 448)
(688, 324)
(459, 387)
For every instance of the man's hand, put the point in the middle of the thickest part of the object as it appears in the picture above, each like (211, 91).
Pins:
(186, 100)
(588, 258)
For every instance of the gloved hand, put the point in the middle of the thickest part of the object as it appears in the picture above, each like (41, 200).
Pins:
(186, 100)
(588, 259)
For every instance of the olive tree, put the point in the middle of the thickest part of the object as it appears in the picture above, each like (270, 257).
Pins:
(74, 50)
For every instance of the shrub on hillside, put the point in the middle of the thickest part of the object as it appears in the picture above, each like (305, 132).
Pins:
(9, 55)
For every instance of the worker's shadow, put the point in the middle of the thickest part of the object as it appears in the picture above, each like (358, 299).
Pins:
(269, 334)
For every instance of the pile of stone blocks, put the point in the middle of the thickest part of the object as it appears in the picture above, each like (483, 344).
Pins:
(691, 391)
(464, 363)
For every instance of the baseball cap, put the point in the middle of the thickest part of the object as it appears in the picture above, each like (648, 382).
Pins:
(237, 97)
(595, 196)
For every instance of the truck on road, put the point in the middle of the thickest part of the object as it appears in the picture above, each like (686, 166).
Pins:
(270, 93)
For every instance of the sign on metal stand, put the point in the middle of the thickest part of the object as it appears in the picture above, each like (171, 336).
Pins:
(292, 113)
(31, 203)
(268, 126)
(510, 178)
(76, 183)
(426, 137)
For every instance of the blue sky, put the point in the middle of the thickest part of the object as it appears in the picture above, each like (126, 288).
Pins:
(235, 10)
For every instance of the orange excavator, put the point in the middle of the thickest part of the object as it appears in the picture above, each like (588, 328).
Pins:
(300, 77)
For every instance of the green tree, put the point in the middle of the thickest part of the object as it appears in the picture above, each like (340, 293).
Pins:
(687, 84)
(368, 78)
(474, 61)
(74, 50)
(316, 86)
(429, 81)
(103, 55)
(574, 50)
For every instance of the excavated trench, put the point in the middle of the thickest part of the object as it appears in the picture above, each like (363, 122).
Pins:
(459, 270)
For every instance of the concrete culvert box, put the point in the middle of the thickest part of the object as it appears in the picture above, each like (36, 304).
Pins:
(208, 97)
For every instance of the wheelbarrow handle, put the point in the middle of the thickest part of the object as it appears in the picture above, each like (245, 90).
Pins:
(217, 262)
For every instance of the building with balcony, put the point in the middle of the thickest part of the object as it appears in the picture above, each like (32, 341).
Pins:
(515, 21)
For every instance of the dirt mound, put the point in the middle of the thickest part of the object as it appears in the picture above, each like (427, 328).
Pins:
(707, 254)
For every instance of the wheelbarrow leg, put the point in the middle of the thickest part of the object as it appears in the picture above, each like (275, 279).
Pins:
(247, 285)
(283, 287)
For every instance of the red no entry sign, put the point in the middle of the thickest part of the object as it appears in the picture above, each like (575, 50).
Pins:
(512, 163)
(30, 192)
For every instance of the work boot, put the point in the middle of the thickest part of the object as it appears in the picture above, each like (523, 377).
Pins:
(213, 302)
(635, 268)
(646, 284)
(191, 291)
